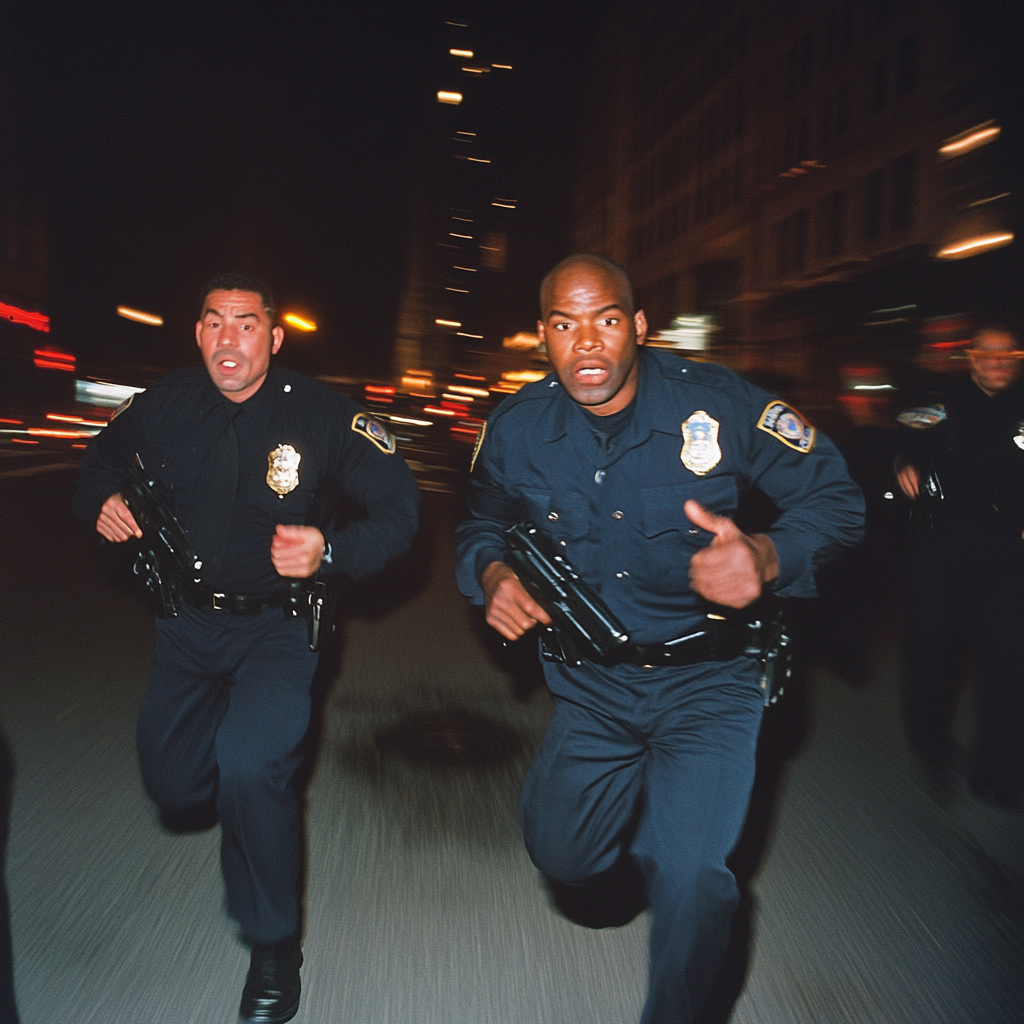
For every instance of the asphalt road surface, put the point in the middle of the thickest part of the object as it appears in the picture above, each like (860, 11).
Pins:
(867, 902)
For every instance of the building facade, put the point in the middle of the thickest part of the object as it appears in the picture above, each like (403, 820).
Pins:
(805, 170)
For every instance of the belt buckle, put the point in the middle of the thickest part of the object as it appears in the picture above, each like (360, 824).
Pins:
(216, 605)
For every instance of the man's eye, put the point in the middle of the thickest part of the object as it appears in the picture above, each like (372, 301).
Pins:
(610, 321)
(562, 325)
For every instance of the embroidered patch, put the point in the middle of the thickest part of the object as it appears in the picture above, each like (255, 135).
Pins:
(785, 423)
(121, 408)
(477, 446)
(701, 451)
(371, 429)
(922, 417)
(283, 469)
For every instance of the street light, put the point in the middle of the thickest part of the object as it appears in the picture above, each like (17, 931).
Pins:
(139, 317)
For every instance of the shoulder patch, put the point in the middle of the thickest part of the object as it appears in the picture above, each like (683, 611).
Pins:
(784, 422)
(373, 431)
(923, 416)
(478, 445)
(121, 408)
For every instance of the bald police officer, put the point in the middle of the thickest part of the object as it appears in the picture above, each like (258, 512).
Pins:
(256, 460)
(633, 461)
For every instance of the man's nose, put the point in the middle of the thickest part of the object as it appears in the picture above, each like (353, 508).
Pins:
(587, 337)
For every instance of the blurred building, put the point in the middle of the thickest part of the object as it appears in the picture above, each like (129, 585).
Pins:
(27, 345)
(813, 174)
(464, 199)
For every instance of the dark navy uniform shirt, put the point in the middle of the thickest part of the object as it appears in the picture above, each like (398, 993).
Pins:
(619, 513)
(344, 457)
(975, 444)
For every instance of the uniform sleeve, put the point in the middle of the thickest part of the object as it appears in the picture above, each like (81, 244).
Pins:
(107, 460)
(822, 509)
(382, 487)
(480, 538)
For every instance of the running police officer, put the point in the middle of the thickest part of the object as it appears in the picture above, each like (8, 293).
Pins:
(962, 463)
(256, 460)
(632, 461)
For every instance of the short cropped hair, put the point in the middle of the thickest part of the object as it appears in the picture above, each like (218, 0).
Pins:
(588, 259)
(240, 281)
(994, 329)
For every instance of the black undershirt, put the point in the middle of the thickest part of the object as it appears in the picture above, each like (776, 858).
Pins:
(608, 429)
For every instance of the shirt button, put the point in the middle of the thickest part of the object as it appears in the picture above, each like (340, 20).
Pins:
(599, 476)
(616, 515)
(553, 516)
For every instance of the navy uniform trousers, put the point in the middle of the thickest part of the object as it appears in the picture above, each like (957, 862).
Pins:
(967, 598)
(225, 713)
(662, 773)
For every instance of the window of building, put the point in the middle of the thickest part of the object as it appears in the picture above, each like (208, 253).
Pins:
(879, 84)
(799, 65)
(831, 226)
(907, 65)
(842, 108)
(873, 187)
(904, 173)
(803, 138)
(846, 27)
(791, 244)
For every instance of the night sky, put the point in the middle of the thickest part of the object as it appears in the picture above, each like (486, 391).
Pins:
(172, 141)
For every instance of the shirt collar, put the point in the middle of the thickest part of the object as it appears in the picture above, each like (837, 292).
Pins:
(653, 393)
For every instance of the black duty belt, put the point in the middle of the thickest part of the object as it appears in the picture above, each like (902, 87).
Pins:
(717, 639)
(235, 604)
(720, 641)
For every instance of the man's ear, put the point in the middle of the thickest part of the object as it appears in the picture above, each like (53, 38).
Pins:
(278, 335)
(199, 332)
(540, 332)
(640, 323)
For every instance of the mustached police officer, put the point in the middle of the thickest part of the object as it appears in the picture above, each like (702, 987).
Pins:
(632, 462)
(256, 461)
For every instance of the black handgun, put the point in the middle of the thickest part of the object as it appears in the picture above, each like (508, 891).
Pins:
(166, 559)
(314, 601)
(769, 642)
(578, 615)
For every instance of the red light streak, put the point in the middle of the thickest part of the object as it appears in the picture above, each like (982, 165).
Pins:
(16, 423)
(22, 440)
(373, 389)
(467, 376)
(37, 321)
(52, 359)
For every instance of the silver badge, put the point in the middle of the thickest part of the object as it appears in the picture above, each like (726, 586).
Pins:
(701, 452)
(283, 471)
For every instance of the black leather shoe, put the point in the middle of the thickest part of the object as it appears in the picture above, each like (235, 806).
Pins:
(271, 993)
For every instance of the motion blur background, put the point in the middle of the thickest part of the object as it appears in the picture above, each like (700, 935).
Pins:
(825, 196)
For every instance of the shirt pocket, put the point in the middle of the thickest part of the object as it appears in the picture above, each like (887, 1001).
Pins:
(177, 467)
(563, 515)
(669, 538)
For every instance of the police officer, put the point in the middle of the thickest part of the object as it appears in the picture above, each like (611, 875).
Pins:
(962, 463)
(633, 461)
(256, 460)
